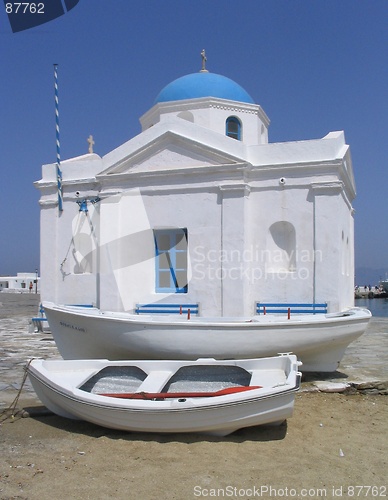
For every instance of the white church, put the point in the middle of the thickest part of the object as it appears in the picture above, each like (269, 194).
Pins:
(200, 208)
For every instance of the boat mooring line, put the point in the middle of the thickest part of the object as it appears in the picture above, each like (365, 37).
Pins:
(11, 412)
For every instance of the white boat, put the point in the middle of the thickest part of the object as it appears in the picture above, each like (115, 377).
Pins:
(205, 396)
(319, 340)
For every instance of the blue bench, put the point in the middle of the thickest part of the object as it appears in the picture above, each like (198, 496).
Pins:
(278, 308)
(166, 308)
(38, 323)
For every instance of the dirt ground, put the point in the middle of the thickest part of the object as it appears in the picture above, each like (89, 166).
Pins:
(335, 445)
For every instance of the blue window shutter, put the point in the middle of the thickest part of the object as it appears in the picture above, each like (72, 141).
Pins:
(171, 260)
(233, 128)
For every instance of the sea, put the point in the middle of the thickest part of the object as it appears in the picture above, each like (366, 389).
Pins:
(378, 307)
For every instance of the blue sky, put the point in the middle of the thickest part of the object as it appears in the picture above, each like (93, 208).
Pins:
(314, 66)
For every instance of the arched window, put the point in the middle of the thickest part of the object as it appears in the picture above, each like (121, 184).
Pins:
(233, 128)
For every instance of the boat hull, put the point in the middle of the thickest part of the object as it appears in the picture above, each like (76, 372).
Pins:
(217, 415)
(318, 340)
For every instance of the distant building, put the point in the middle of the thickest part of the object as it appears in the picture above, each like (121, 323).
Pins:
(201, 208)
(22, 282)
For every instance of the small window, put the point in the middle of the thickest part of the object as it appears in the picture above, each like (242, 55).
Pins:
(171, 260)
(233, 128)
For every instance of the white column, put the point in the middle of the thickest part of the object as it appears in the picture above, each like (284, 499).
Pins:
(232, 265)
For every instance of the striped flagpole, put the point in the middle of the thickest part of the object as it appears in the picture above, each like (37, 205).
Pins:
(59, 173)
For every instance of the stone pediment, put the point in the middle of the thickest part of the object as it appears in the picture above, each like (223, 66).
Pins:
(170, 152)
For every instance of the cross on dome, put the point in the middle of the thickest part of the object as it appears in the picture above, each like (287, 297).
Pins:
(204, 59)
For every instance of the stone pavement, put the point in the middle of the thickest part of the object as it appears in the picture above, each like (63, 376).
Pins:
(365, 361)
(364, 364)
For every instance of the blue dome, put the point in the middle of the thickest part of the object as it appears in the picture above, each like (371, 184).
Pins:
(203, 84)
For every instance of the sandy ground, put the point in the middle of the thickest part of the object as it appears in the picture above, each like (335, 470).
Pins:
(335, 445)
(332, 441)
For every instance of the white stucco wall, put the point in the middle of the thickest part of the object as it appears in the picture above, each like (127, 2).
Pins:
(211, 113)
(22, 282)
(265, 222)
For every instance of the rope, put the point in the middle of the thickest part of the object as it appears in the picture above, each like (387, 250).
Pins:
(11, 412)
(92, 231)
(71, 244)
(78, 224)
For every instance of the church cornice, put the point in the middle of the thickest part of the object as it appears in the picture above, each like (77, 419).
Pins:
(202, 103)
(235, 189)
(177, 175)
(324, 188)
(331, 189)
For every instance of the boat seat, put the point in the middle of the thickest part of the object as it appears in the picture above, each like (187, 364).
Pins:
(267, 378)
(166, 308)
(155, 381)
(295, 308)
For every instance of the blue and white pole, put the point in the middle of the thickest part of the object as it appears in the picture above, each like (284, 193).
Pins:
(59, 173)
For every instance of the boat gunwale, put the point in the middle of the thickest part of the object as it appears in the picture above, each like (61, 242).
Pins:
(353, 314)
(165, 406)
